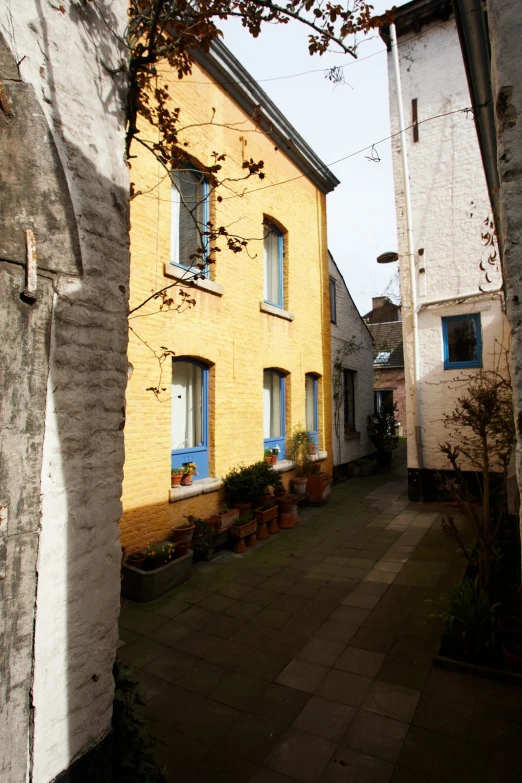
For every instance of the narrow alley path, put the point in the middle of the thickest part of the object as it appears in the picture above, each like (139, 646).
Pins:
(310, 658)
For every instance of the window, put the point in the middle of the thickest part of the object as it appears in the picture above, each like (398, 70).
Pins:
(349, 401)
(189, 411)
(462, 340)
(382, 357)
(274, 411)
(311, 407)
(333, 302)
(273, 253)
(189, 217)
(383, 401)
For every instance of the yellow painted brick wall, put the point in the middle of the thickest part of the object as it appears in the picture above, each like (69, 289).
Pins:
(228, 332)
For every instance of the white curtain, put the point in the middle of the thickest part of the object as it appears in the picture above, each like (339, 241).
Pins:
(187, 405)
(271, 404)
(310, 407)
(271, 255)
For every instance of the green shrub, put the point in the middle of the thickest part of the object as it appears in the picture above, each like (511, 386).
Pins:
(382, 429)
(470, 623)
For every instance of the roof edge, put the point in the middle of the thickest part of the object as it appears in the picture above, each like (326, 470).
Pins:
(413, 16)
(228, 72)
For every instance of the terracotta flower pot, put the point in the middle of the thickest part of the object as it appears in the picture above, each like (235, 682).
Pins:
(183, 533)
(287, 520)
(266, 514)
(182, 547)
(273, 526)
(243, 508)
(274, 458)
(240, 532)
(175, 479)
(136, 560)
(186, 479)
(223, 521)
(285, 503)
(299, 485)
(512, 657)
(264, 500)
(279, 493)
(262, 533)
(313, 448)
(268, 459)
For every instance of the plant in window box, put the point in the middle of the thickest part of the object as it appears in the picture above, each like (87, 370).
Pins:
(382, 429)
(188, 470)
(176, 474)
(185, 530)
(244, 527)
(158, 554)
(298, 450)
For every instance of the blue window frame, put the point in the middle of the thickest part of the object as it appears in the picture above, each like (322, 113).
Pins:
(273, 263)
(189, 414)
(312, 418)
(462, 341)
(274, 411)
(189, 219)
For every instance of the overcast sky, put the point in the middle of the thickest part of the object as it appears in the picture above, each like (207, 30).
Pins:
(336, 121)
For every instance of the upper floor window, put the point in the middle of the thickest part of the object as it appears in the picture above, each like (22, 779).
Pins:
(349, 400)
(189, 218)
(273, 262)
(189, 412)
(274, 410)
(462, 341)
(311, 407)
(333, 302)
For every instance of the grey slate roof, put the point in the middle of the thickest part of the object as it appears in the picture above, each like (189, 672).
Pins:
(387, 338)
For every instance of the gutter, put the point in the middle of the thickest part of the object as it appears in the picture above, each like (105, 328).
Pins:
(474, 42)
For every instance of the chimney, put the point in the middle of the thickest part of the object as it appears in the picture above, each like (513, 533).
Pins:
(378, 301)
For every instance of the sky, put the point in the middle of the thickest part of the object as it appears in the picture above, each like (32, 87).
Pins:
(336, 121)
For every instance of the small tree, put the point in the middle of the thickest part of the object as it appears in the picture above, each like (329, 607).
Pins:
(299, 447)
(482, 426)
(382, 430)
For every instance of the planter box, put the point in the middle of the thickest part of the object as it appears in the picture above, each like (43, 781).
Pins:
(319, 486)
(225, 520)
(266, 514)
(147, 585)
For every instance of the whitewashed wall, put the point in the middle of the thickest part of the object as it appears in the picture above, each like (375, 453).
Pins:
(63, 56)
(351, 326)
(449, 205)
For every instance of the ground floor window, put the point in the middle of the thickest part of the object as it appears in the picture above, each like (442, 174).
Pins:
(274, 411)
(349, 400)
(311, 407)
(189, 415)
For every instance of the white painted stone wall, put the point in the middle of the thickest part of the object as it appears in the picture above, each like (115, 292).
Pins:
(350, 325)
(449, 205)
(77, 601)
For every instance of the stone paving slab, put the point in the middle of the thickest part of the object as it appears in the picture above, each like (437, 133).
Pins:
(308, 658)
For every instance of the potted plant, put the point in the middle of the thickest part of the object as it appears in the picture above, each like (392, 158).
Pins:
(298, 450)
(188, 470)
(244, 484)
(136, 559)
(203, 540)
(185, 530)
(313, 448)
(288, 514)
(268, 456)
(275, 454)
(242, 528)
(176, 474)
(225, 517)
(163, 568)
(278, 486)
(382, 429)
(158, 554)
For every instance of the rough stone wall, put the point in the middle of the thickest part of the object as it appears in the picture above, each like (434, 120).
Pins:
(449, 204)
(349, 325)
(225, 329)
(393, 379)
(71, 596)
(505, 26)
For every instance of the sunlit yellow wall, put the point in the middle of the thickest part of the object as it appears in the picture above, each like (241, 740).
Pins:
(229, 331)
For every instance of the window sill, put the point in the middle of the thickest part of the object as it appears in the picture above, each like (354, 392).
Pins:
(199, 487)
(284, 465)
(277, 311)
(203, 284)
(352, 435)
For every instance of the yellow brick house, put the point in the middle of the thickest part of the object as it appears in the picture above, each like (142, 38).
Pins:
(251, 357)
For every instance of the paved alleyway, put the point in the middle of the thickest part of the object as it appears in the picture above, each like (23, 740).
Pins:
(309, 659)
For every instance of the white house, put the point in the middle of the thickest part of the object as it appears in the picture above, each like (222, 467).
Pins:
(452, 301)
(352, 375)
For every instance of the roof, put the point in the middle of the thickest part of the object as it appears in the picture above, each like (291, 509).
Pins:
(411, 17)
(228, 72)
(387, 344)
